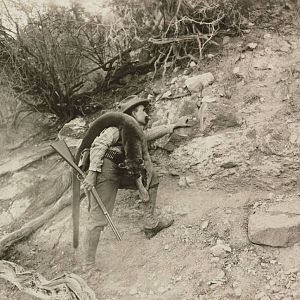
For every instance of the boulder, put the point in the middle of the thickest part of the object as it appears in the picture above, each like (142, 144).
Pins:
(196, 84)
(206, 155)
(279, 226)
(73, 132)
(168, 113)
(214, 116)
(275, 139)
(295, 133)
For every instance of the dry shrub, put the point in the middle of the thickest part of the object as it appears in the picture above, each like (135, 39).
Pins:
(55, 54)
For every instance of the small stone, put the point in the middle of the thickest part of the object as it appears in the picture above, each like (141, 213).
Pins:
(220, 275)
(187, 71)
(190, 180)
(272, 282)
(198, 82)
(182, 182)
(226, 40)
(251, 271)
(210, 56)
(166, 94)
(252, 46)
(166, 247)
(220, 250)
(236, 70)
(182, 213)
(174, 173)
(204, 224)
(133, 291)
(193, 64)
(173, 80)
(209, 99)
(264, 265)
(238, 73)
(228, 211)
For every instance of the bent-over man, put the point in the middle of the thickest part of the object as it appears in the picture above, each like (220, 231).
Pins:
(104, 173)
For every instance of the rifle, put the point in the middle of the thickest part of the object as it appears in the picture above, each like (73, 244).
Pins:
(63, 150)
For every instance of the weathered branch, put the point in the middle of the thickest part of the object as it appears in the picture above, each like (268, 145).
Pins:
(66, 286)
(164, 41)
(10, 239)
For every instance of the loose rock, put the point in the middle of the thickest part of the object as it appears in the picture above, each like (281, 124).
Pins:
(251, 46)
(220, 249)
(204, 224)
(73, 131)
(279, 230)
(196, 83)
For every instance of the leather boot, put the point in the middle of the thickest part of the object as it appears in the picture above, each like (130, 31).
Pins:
(92, 241)
(153, 225)
(162, 223)
(150, 220)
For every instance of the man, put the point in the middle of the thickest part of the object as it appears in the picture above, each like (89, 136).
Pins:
(105, 174)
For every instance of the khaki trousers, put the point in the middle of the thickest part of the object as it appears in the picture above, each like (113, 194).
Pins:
(109, 181)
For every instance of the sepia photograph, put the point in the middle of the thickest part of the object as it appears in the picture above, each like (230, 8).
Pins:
(150, 149)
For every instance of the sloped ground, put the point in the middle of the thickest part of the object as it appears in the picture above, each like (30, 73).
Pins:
(227, 168)
(180, 263)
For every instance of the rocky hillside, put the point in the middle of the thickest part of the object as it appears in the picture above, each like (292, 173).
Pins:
(230, 181)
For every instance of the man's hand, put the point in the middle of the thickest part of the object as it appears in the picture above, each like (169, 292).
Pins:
(90, 180)
(182, 122)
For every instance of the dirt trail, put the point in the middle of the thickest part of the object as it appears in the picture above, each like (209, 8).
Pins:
(169, 265)
(177, 263)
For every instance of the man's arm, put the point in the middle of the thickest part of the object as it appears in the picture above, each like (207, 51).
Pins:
(159, 131)
(107, 138)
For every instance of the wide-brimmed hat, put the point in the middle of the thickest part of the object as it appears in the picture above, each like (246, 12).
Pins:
(131, 102)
